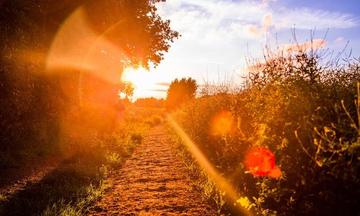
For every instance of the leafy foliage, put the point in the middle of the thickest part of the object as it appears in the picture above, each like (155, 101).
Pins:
(127, 89)
(304, 112)
(181, 91)
(80, 180)
(38, 106)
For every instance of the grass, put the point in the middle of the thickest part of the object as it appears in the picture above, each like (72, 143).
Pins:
(304, 114)
(71, 187)
(199, 178)
(78, 181)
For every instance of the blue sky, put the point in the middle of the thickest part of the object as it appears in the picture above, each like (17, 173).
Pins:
(218, 35)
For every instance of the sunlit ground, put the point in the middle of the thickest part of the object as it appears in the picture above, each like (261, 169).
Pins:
(221, 183)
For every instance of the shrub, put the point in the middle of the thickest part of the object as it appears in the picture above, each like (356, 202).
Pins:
(305, 114)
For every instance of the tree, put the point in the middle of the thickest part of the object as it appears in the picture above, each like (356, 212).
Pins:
(181, 91)
(33, 100)
(134, 26)
(127, 88)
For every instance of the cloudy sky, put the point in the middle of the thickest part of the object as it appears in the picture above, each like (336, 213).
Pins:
(218, 35)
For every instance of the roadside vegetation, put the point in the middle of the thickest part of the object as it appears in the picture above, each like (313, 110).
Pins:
(288, 140)
(81, 177)
(64, 112)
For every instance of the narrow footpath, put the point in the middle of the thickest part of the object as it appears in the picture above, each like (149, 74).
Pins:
(153, 181)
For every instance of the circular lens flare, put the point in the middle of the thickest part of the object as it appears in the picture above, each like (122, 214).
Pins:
(260, 161)
(222, 123)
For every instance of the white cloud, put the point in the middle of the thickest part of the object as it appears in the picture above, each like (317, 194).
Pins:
(212, 20)
(339, 39)
(217, 35)
(306, 18)
(267, 21)
(220, 19)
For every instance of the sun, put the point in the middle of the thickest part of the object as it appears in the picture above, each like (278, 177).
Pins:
(142, 80)
(134, 75)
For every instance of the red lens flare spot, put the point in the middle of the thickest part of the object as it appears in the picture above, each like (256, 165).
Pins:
(222, 123)
(260, 161)
(275, 173)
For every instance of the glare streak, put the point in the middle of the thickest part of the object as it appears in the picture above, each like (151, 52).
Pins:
(221, 183)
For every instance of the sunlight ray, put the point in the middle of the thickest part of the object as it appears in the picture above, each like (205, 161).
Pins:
(221, 183)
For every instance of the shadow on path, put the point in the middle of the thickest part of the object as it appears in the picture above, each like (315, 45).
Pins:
(65, 186)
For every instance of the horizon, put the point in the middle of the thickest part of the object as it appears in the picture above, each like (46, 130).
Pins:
(240, 29)
(253, 110)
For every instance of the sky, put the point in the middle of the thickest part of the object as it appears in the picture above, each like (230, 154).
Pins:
(217, 36)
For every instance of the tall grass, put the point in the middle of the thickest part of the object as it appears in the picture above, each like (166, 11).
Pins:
(307, 113)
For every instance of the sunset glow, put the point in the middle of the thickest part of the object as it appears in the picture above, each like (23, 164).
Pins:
(146, 83)
(180, 107)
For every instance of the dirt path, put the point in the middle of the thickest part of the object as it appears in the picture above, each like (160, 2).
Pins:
(152, 182)
(13, 180)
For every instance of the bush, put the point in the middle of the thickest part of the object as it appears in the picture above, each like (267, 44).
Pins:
(305, 114)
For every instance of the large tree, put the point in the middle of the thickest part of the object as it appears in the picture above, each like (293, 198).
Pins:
(33, 100)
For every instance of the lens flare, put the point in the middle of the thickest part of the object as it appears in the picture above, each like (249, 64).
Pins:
(221, 183)
(77, 47)
(260, 161)
(222, 123)
(145, 82)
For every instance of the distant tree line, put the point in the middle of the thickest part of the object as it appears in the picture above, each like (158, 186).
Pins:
(150, 102)
(180, 92)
